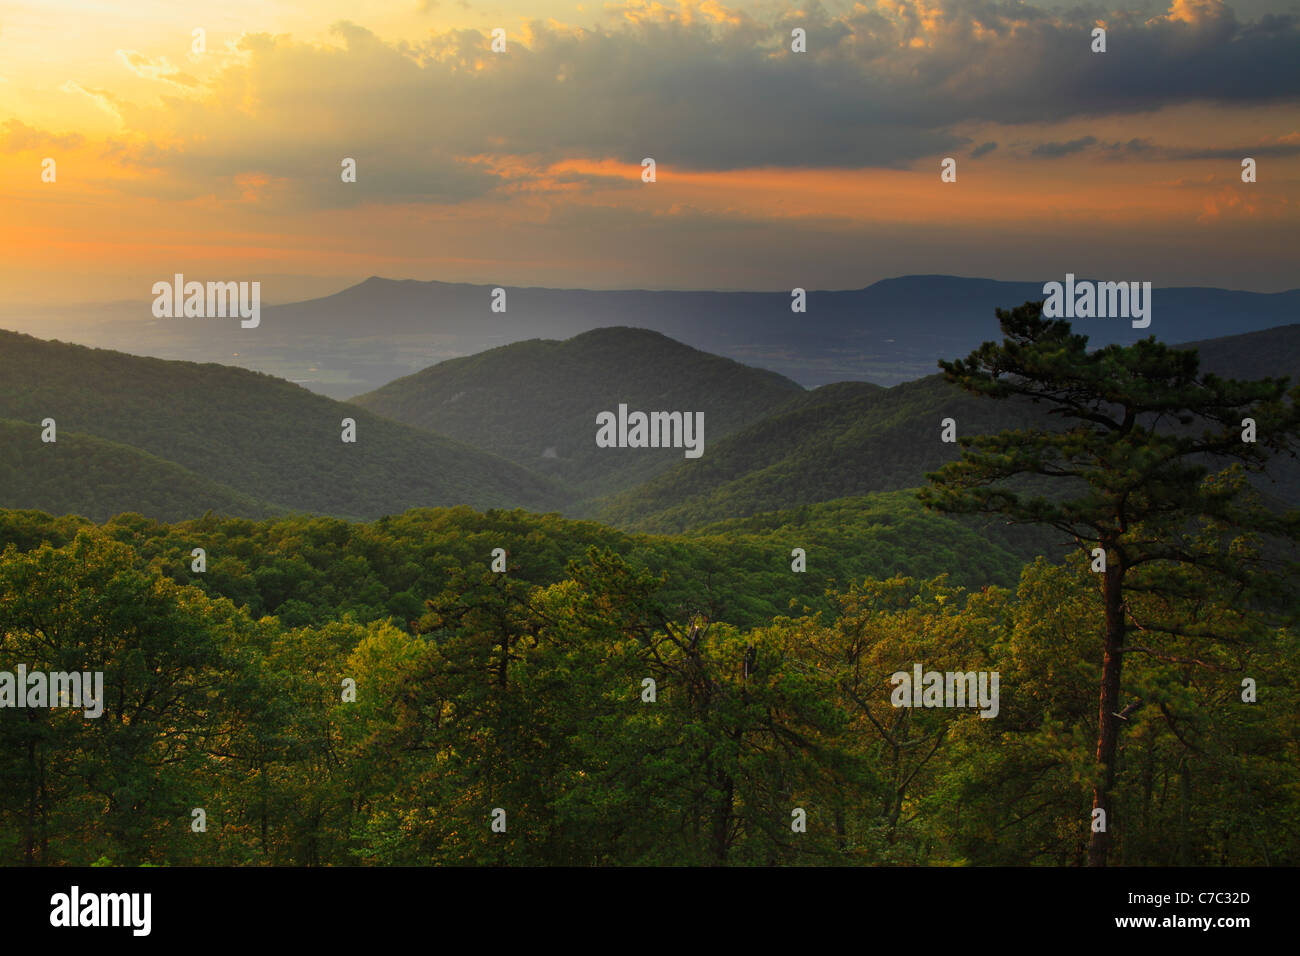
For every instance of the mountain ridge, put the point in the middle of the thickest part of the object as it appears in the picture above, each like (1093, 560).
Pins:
(256, 434)
(360, 338)
(536, 402)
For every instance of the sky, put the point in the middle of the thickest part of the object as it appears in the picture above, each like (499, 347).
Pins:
(773, 168)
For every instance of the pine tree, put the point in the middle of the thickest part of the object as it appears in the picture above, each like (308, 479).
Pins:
(1148, 465)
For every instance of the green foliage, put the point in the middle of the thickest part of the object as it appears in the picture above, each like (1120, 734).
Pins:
(524, 691)
(1136, 476)
(80, 474)
(309, 571)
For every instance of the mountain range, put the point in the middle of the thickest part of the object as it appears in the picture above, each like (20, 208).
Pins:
(363, 337)
(511, 427)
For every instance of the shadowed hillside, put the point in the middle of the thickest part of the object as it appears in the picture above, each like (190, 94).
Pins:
(80, 474)
(257, 435)
(536, 402)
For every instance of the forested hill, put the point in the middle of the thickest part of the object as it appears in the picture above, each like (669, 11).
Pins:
(81, 474)
(853, 438)
(312, 570)
(259, 436)
(837, 441)
(536, 402)
(1251, 355)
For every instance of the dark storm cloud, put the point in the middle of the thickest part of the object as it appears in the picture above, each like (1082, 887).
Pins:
(881, 86)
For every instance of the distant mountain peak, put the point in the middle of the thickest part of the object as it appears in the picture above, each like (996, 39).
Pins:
(536, 402)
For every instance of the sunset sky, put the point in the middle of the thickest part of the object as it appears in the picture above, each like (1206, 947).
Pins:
(775, 168)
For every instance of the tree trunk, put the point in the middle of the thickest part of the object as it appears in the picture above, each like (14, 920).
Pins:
(29, 825)
(1107, 721)
(262, 790)
(722, 812)
(1184, 810)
